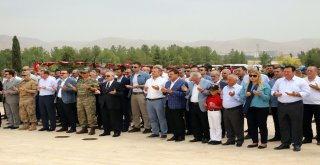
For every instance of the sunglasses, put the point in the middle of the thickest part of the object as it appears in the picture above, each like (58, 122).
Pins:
(202, 70)
(63, 73)
(108, 76)
(6, 74)
(134, 67)
(24, 75)
(252, 75)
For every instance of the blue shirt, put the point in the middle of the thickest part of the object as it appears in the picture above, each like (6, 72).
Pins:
(274, 100)
(258, 101)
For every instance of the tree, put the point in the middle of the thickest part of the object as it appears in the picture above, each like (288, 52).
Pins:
(5, 56)
(16, 55)
(95, 53)
(155, 51)
(235, 57)
(288, 60)
(34, 54)
(265, 58)
(311, 58)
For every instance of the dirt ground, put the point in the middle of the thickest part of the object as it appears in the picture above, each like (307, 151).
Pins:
(28, 148)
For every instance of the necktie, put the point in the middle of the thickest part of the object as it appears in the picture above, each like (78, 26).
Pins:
(108, 84)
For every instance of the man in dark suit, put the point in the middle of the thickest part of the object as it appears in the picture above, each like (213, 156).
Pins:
(125, 99)
(110, 101)
(176, 104)
(66, 98)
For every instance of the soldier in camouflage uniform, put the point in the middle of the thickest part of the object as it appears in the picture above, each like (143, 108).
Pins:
(86, 103)
(27, 112)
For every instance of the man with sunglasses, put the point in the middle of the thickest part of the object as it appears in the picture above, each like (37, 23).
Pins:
(110, 102)
(11, 99)
(66, 99)
(204, 73)
(32, 76)
(27, 92)
(138, 102)
(225, 72)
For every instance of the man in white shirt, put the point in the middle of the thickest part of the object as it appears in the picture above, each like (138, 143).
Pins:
(311, 106)
(47, 87)
(155, 103)
(290, 90)
(233, 117)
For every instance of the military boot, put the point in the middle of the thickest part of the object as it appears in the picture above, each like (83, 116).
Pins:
(33, 127)
(83, 130)
(92, 131)
(25, 126)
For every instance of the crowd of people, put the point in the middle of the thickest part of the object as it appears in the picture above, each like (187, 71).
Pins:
(208, 103)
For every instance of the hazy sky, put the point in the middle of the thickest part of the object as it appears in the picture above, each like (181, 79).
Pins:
(185, 20)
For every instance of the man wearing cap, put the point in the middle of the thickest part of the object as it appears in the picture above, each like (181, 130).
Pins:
(27, 92)
(86, 103)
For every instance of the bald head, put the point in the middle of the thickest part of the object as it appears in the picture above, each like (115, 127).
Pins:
(312, 72)
(232, 79)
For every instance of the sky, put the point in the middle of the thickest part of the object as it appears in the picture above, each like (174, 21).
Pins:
(184, 20)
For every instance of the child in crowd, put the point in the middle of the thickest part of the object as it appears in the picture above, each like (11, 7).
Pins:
(214, 105)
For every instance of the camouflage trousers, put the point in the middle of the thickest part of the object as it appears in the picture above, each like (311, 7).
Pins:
(86, 109)
(27, 111)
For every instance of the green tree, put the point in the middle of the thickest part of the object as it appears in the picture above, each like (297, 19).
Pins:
(95, 53)
(288, 60)
(235, 57)
(265, 59)
(5, 56)
(34, 54)
(16, 55)
(84, 55)
(155, 51)
(313, 57)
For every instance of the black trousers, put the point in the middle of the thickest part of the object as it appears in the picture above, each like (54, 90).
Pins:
(233, 122)
(38, 113)
(308, 112)
(290, 120)
(187, 120)
(48, 113)
(169, 119)
(257, 118)
(274, 111)
(222, 124)
(126, 113)
(199, 122)
(67, 114)
(98, 112)
(177, 122)
(111, 119)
